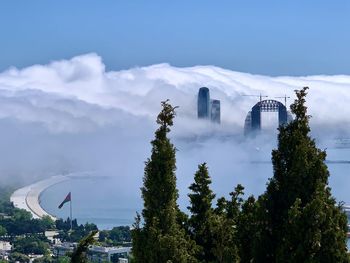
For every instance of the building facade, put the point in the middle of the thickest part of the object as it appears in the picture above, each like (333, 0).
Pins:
(252, 123)
(207, 108)
(203, 103)
(215, 111)
(96, 254)
(108, 254)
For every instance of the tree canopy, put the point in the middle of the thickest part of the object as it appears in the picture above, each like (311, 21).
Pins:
(299, 219)
(161, 238)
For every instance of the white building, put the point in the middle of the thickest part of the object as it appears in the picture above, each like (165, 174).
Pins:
(5, 246)
(109, 254)
(96, 253)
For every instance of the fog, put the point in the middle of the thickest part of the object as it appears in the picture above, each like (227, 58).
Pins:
(73, 115)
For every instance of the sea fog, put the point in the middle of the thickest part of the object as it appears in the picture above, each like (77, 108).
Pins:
(73, 115)
(112, 198)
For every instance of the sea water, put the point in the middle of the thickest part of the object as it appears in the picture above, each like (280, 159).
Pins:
(94, 200)
(114, 201)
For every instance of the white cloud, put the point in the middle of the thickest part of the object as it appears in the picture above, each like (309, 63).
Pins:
(79, 94)
(73, 114)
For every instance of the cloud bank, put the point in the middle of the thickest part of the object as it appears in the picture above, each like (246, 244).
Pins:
(79, 95)
(74, 115)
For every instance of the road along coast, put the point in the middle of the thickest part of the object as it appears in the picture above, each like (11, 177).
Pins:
(28, 197)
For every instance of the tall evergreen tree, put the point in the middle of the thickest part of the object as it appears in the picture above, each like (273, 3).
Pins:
(247, 230)
(226, 219)
(313, 232)
(161, 239)
(297, 199)
(201, 220)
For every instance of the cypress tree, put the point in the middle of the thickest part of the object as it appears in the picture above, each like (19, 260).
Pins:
(313, 232)
(226, 219)
(299, 220)
(201, 220)
(161, 239)
(247, 230)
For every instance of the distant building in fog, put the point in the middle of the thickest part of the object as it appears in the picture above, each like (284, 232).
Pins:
(215, 111)
(206, 108)
(203, 103)
(252, 123)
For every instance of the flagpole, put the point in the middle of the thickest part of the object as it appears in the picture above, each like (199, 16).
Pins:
(71, 218)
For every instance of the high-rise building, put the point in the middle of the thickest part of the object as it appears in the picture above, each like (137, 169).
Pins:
(215, 111)
(203, 103)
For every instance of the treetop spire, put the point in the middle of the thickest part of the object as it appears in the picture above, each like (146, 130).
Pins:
(298, 107)
(166, 116)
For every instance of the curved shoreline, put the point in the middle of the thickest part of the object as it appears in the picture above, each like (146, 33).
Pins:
(28, 197)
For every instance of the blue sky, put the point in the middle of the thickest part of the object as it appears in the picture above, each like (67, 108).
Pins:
(291, 37)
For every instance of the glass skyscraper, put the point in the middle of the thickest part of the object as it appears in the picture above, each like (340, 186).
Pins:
(203, 103)
(215, 111)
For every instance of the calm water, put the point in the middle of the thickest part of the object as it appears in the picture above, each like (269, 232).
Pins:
(113, 201)
(93, 200)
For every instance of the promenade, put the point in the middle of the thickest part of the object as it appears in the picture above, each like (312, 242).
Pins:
(28, 197)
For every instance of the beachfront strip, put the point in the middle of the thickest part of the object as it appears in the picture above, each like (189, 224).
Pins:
(28, 197)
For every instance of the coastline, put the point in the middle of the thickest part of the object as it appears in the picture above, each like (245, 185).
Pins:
(28, 197)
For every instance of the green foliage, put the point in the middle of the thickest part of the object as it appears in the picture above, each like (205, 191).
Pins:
(225, 248)
(159, 191)
(120, 234)
(182, 220)
(31, 245)
(65, 224)
(103, 235)
(79, 253)
(201, 220)
(63, 260)
(138, 240)
(117, 236)
(161, 239)
(225, 224)
(21, 215)
(21, 222)
(18, 257)
(78, 232)
(298, 220)
(5, 205)
(48, 222)
(17, 221)
(314, 232)
(3, 231)
(247, 230)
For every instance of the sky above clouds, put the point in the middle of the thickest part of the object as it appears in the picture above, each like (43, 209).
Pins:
(292, 37)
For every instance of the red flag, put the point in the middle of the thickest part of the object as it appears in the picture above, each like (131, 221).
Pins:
(66, 200)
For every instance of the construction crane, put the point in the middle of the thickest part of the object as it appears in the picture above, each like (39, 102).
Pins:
(259, 96)
(285, 97)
